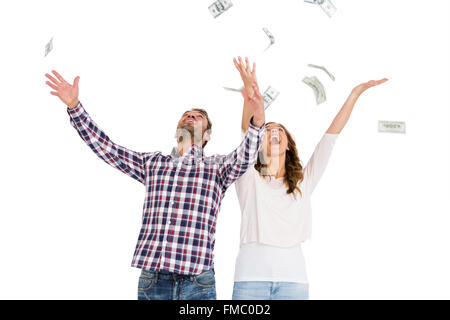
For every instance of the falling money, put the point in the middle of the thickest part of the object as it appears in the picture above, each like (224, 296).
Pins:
(233, 89)
(318, 88)
(49, 47)
(219, 7)
(326, 6)
(271, 37)
(391, 126)
(269, 96)
(322, 68)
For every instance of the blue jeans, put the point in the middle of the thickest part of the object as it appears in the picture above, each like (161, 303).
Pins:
(267, 290)
(171, 286)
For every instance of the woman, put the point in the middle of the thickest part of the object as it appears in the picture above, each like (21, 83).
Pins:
(274, 197)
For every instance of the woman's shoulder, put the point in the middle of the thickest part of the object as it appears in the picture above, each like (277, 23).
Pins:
(248, 175)
(252, 170)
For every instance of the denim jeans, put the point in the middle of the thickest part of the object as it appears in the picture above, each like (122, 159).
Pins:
(267, 290)
(171, 286)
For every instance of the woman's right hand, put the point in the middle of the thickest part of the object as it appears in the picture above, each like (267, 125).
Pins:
(248, 76)
(66, 92)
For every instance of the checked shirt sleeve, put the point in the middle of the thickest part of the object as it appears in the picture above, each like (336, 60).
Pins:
(130, 162)
(237, 162)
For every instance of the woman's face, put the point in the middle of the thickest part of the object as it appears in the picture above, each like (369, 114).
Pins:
(275, 142)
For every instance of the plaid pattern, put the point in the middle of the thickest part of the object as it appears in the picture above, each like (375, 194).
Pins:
(183, 195)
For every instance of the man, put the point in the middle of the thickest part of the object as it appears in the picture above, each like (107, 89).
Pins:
(184, 191)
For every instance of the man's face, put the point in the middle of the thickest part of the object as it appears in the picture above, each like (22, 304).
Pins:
(192, 124)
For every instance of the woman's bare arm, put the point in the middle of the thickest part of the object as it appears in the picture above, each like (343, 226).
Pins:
(343, 115)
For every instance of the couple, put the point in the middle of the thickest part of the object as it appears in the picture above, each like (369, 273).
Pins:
(184, 191)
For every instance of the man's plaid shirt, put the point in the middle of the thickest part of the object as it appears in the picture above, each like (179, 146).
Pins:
(183, 195)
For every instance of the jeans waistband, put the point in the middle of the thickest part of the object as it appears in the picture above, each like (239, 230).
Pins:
(169, 275)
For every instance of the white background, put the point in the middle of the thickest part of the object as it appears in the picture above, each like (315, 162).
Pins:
(69, 222)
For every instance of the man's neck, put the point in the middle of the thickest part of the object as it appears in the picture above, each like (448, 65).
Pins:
(183, 147)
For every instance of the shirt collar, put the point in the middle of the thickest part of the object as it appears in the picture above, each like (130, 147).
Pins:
(194, 150)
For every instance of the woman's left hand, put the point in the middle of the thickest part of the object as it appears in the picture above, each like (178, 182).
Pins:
(255, 103)
(247, 74)
(364, 86)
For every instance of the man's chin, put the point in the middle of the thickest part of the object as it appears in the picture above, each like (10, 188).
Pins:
(187, 127)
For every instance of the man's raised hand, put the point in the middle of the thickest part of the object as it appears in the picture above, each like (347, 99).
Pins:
(65, 91)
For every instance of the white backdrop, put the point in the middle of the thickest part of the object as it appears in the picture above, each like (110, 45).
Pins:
(69, 222)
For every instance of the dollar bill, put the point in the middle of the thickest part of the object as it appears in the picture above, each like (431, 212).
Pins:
(271, 37)
(326, 5)
(317, 86)
(219, 7)
(233, 89)
(391, 126)
(324, 69)
(49, 47)
(270, 96)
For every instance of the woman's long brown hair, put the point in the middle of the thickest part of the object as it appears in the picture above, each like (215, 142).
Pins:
(293, 167)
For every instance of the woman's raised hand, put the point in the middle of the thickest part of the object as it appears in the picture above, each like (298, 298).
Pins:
(66, 92)
(343, 115)
(364, 86)
(255, 104)
(248, 76)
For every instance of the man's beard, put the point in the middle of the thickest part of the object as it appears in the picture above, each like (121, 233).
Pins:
(187, 132)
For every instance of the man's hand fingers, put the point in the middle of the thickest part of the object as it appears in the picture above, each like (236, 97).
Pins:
(56, 82)
(52, 85)
(59, 76)
(75, 81)
(54, 93)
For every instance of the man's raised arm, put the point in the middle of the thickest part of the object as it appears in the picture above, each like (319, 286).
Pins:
(129, 162)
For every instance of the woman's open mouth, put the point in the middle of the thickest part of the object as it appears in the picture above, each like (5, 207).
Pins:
(275, 140)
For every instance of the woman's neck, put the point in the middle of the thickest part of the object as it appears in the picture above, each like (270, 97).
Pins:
(276, 167)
